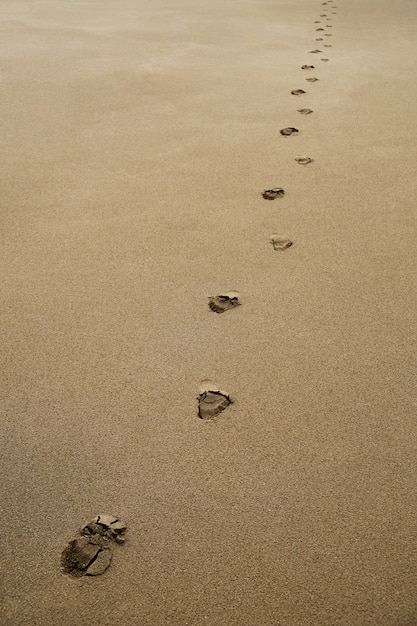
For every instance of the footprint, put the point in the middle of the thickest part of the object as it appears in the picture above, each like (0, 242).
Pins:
(319, 39)
(290, 130)
(312, 80)
(222, 303)
(307, 67)
(329, 26)
(280, 243)
(91, 553)
(314, 52)
(211, 401)
(317, 22)
(327, 34)
(305, 111)
(323, 15)
(328, 45)
(271, 194)
(324, 59)
(297, 92)
(304, 160)
(318, 29)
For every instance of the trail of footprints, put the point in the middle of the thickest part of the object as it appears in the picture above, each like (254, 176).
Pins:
(211, 400)
(91, 552)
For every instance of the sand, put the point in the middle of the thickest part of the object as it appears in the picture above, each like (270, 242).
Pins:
(137, 138)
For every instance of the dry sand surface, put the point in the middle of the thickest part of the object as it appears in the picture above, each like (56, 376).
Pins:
(137, 137)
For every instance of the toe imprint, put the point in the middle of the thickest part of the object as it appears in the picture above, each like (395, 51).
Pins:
(305, 111)
(222, 303)
(289, 130)
(271, 194)
(307, 67)
(280, 243)
(297, 92)
(211, 400)
(312, 80)
(91, 553)
(304, 160)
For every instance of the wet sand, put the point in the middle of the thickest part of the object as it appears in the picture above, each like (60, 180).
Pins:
(137, 139)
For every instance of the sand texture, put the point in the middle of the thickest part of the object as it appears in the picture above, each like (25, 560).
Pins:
(137, 139)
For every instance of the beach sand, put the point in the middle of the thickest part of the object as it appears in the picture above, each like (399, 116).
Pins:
(137, 138)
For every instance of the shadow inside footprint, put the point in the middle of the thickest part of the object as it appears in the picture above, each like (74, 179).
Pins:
(307, 67)
(305, 111)
(318, 29)
(271, 194)
(280, 243)
(312, 80)
(297, 92)
(222, 303)
(91, 553)
(211, 401)
(304, 160)
(290, 130)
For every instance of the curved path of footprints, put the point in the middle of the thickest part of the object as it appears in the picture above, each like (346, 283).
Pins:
(90, 552)
(212, 400)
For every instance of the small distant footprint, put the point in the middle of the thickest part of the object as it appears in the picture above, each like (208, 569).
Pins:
(271, 194)
(329, 26)
(312, 80)
(290, 130)
(327, 34)
(211, 400)
(318, 29)
(280, 243)
(323, 15)
(222, 303)
(307, 67)
(317, 22)
(304, 160)
(324, 59)
(319, 39)
(305, 111)
(328, 45)
(314, 52)
(298, 92)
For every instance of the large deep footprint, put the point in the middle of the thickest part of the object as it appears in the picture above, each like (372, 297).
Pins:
(211, 400)
(90, 554)
(224, 302)
(271, 194)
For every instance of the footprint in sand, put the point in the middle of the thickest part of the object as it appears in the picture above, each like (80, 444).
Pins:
(318, 29)
(91, 553)
(327, 34)
(319, 39)
(312, 80)
(307, 67)
(317, 22)
(271, 194)
(305, 111)
(290, 130)
(224, 302)
(324, 59)
(315, 51)
(211, 400)
(304, 160)
(280, 243)
(329, 26)
(297, 92)
(323, 15)
(328, 45)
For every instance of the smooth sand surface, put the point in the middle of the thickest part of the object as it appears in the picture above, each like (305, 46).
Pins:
(137, 137)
